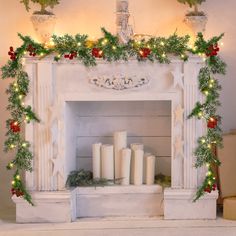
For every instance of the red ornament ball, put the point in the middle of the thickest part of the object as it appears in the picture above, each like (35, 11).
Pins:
(97, 52)
(14, 126)
(144, 52)
(212, 50)
(212, 123)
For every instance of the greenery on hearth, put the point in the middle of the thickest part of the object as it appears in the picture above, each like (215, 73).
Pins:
(108, 48)
(163, 180)
(43, 4)
(194, 4)
(85, 178)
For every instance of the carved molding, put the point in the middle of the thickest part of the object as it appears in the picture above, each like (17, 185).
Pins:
(119, 82)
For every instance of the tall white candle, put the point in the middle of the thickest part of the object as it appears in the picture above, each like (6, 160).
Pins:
(107, 157)
(134, 146)
(150, 169)
(120, 142)
(125, 166)
(138, 167)
(97, 160)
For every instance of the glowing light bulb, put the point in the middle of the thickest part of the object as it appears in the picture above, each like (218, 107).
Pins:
(182, 56)
(114, 47)
(212, 81)
(209, 173)
(79, 43)
(13, 182)
(148, 46)
(18, 177)
(24, 144)
(11, 165)
(16, 89)
(162, 43)
(210, 85)
(12, 146)
(209, 182)
(41, 54)
(222, 44)
(20, 96)
(203, 140)
(163, 55)
(200, 114)
(206, 92)
(207, 165)
(209, 146)
(15, 84)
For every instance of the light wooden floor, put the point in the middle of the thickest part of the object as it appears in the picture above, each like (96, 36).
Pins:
(118, 226)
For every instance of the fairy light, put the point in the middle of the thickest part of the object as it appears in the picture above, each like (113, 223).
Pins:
(12, 146)
(222, 44)
(79, 44)
(22, 104)
(209, 146)
(105, 41)
(20, 96)
(203, 141)
(209, 173)
(18, 177)
(27, 119)
(206, 92)
(24, 144)
(207, 165)
(141, 52)
(182, 56)
(210, 85)
(148, 46)
(200, 114)
(212, 81)
(209, 182)
(16, 89)
(25, 52)
(11, 165)
(163, 55)
(162, 43)
(15, 84)
(41, 54)
(13, 182)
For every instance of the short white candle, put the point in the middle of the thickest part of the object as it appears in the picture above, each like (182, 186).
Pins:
(107, 156)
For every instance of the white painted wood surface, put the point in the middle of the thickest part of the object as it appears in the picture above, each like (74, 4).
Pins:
(57, 140)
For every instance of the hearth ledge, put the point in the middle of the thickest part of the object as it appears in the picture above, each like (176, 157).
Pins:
(179, 205)
(50, 207)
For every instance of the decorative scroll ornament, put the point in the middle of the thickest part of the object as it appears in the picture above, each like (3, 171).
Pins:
(119, 82)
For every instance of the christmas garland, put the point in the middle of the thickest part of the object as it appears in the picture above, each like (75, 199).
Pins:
(109, 48)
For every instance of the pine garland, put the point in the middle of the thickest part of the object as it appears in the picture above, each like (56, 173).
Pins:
(108, 48)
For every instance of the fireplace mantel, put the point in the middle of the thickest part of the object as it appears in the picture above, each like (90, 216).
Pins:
(53, 84)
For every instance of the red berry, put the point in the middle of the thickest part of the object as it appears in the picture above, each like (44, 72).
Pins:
(34, 54)
(11, 49)
(71, 57)
(9, 53)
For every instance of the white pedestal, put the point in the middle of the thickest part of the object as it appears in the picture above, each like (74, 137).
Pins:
(178, 204)
(50, 207)
(125, 201)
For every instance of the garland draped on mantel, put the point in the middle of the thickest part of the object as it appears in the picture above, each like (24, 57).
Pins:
(108, 48)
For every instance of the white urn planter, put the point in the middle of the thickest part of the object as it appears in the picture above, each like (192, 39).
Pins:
(44, 26)
(196, 23)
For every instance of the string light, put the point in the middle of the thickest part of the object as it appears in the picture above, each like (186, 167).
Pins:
(41, 54)
(182, 56)
(209, 146)
(11, 165)
(163, 55)
(16, 89)
(20, 96)
(100, 52)
(203, 141)
(18, 177)
(105, 41)
(206, 92)
(209, 182)
(200, 114)
(12, 146)
(79, 44)
(13, 182)
(114, 47)
(207, 165)
(162, 43)
(209, 173)
(24, 144)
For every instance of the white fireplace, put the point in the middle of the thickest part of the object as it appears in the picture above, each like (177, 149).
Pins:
(79, 106)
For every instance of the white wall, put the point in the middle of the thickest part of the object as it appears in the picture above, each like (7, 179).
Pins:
(157, 17)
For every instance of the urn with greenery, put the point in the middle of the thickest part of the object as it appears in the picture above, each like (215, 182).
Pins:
(195, 19)
(43, 20)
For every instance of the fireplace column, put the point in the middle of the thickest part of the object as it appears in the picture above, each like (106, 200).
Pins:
(178, 202)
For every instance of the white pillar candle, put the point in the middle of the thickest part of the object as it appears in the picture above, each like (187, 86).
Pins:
(134, 146)
(97, 160)
(107, 159)
(125, 166)
(150, 169)
(145, 166)
(138, 167)
(120, 142)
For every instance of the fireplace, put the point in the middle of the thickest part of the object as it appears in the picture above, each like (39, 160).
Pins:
(79, 105)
